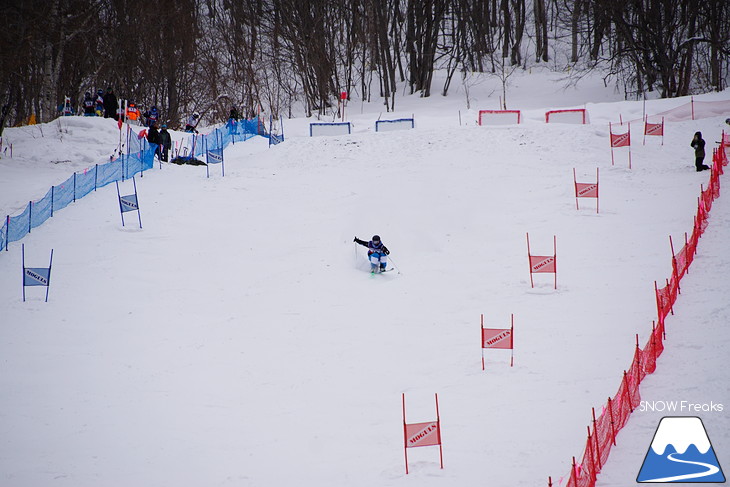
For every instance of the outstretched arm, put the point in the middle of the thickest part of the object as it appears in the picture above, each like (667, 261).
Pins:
(361, 242)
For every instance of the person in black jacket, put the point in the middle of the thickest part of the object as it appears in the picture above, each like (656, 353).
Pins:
(153, 137)
(165, 143)
(377, 253)
(110, 105)
(88, 105)
(698, 143)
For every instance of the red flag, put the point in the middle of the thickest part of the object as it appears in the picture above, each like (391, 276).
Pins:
(119, 124)
(142, 134)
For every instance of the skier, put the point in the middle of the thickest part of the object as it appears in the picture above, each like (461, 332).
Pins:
(698, 143)
(377, 253)
(192, 123)
(88, 105)
(165, 142)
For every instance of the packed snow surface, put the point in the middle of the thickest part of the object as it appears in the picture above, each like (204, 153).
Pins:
(238, 337)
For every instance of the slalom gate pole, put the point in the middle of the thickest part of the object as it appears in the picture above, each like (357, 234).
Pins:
(22, 259)
(48, 284)
(139, 214)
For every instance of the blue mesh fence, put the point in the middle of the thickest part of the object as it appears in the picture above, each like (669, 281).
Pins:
(40, 210)
(140, 157)
(233, 131)
(77, 186)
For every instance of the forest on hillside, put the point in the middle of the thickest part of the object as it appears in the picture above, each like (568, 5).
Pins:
(278, 55)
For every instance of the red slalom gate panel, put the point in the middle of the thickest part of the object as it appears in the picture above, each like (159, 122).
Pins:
(499, 338)
(543, 264)
(653, 129)
(585, 190)
(620, 140)
(422, 434)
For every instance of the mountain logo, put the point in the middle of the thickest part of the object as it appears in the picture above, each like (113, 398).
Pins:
(681, 452)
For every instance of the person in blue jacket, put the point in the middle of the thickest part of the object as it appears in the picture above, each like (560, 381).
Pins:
(377, 253)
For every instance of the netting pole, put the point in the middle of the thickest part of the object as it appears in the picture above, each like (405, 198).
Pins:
(626, 389)
(30, 215)
(223, 168)
(613, 427)
(96, 175)
(7, 232)
(595, 436)
(74, 187)
(575, 471)
(52, 191)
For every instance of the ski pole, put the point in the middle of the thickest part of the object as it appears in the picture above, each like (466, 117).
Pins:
(394, 265)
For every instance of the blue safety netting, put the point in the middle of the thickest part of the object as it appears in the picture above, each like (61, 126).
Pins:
(77, 186)
(233, 131)
(140, 157)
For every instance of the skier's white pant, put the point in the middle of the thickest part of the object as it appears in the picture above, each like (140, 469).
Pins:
(378, 259)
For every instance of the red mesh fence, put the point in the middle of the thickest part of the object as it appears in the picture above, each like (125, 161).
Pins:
(615, 414)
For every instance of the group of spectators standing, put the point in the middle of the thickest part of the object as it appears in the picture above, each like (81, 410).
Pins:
(100, 105)
(160, 136)
(106, 105)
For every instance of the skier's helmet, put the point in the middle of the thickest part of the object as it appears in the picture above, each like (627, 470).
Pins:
(196, 114)
(87, 94)
(154, 108)
(99, 91)
(376, 238)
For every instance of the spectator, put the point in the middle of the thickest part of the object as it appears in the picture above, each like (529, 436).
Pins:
(110, 105)
(132, 112)
(192, 123)
(88, 104)
(151, 116)
(66, 109)
(99, 101)
(698, 143)
(153, 137)
(165, 143)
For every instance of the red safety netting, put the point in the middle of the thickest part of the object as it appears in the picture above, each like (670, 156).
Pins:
(615, 414)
